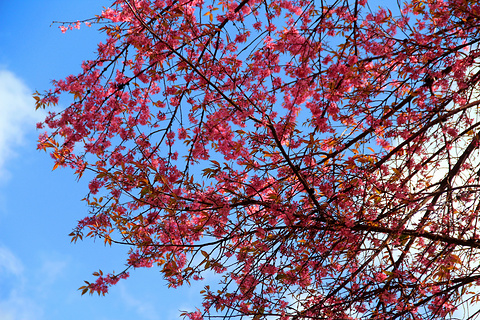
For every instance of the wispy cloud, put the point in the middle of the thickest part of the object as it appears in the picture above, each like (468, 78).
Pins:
(144, 309)
(15, 304)
(19, 307)
(9, 263)
(17, 116)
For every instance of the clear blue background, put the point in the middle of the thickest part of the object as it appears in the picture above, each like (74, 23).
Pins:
(40, 270)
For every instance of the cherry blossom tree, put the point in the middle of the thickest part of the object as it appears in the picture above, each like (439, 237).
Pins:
(319, 157)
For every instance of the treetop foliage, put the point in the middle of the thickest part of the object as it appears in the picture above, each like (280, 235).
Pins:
(319, 157)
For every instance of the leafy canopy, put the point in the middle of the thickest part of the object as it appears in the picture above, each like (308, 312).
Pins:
(320, 157)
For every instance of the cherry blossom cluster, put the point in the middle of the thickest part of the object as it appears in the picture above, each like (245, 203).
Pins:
(320, 157)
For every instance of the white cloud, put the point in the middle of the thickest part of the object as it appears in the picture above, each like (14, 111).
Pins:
(144, 309)
(9, 263)
(15, 304)
(17, 116)
(52, 268)
(18, 307)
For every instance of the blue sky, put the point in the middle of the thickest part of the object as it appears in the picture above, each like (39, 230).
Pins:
(40, 270)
